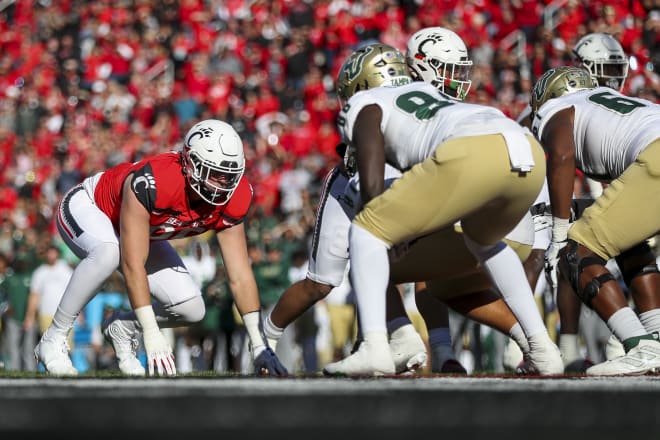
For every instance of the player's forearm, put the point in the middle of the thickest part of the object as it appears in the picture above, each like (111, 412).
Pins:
(137, 285)
(246, 296)
(561, 176)
(561, 196)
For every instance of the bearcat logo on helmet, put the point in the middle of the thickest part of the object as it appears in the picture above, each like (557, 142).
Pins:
(430, 39)
(202, 132)
(584, 43)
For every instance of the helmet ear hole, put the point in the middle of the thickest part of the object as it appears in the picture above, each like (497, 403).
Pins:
(214, 161)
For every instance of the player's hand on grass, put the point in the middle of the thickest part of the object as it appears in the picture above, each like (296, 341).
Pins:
(159, 353)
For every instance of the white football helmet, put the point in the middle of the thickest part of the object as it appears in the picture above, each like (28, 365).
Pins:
(439, 56)
(213, 160)
(604, 58)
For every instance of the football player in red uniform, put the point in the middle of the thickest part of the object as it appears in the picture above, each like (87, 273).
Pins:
(122, 218)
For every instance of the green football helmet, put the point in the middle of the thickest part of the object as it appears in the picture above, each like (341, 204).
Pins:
(560, 81)
(373, 65)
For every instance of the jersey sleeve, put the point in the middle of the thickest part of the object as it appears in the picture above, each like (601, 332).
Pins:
(144, 186)
(545, 113)
(351, 110)
(238, 206)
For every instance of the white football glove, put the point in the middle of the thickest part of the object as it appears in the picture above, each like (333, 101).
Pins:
(559, 240)
(159, 353)
(158, 350)
(551, 260)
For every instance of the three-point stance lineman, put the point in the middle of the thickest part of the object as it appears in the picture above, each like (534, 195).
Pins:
(615, 139)
(123, 218)
(460, 162)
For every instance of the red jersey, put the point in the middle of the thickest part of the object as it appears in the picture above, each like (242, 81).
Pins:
(160, 185)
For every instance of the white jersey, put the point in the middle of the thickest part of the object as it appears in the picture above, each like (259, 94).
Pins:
(417, 118)
(610, 129)
(340, 202)
(352, 191)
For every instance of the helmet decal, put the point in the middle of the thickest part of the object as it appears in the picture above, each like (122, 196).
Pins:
(371, 66)
(354, 64)
(558, 82)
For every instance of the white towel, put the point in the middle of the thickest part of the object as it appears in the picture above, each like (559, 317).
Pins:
(520, 151)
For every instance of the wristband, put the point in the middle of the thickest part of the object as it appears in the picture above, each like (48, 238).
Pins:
(252, 325)
(146, 318)
(560, 229)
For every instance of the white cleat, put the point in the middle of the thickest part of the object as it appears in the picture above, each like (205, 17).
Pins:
(614, 348)
(53, 353)
(642, 359)
(372, 358)
(408, 350)
(125, 342)
(544, 356)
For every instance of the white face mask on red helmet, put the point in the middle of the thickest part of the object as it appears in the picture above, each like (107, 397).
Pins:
(213, 160)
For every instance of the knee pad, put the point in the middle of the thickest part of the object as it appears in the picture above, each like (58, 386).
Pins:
(573, 266)
(189, 311)
(637, 261)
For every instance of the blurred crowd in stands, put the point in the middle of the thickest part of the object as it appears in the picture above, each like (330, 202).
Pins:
(85, 85)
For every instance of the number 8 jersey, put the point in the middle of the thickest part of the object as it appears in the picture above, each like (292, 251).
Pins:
(417, 118)
(610, 129)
